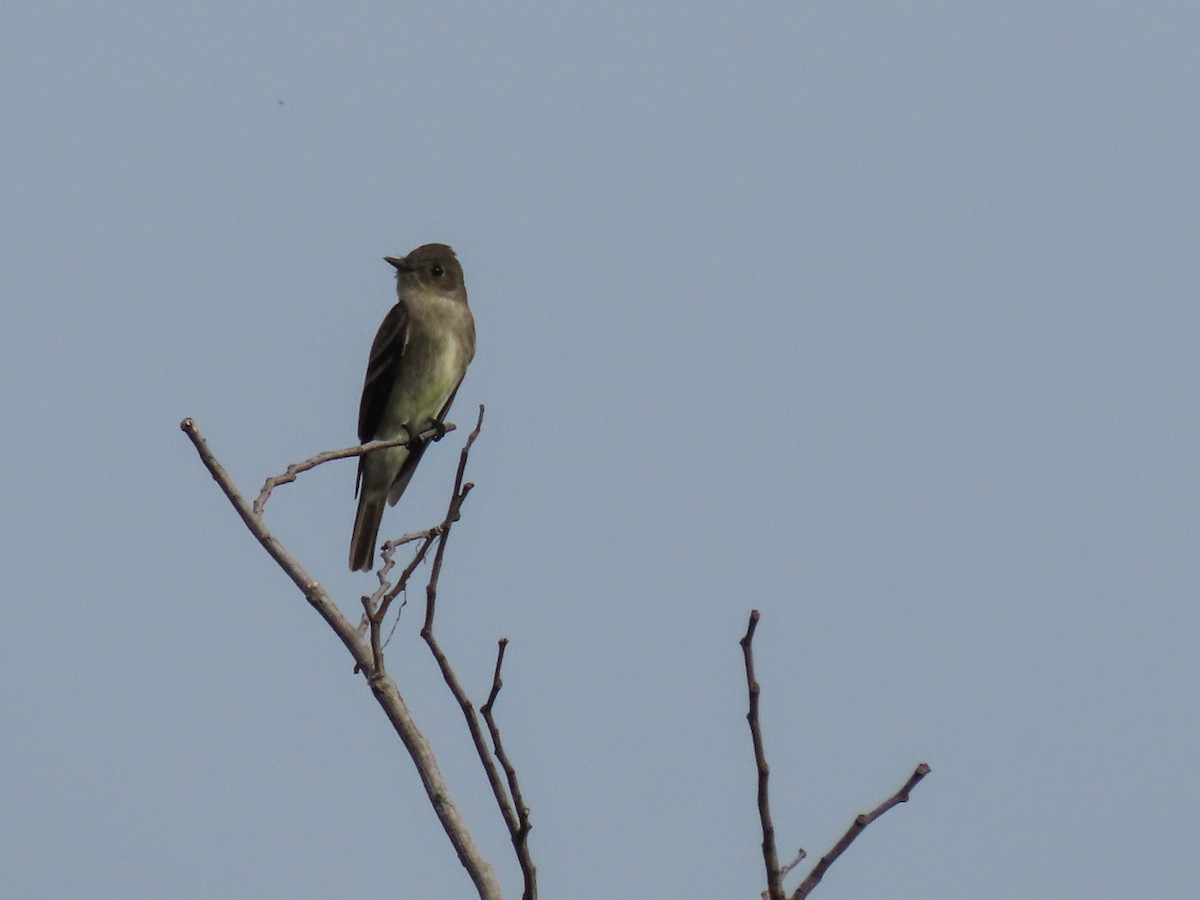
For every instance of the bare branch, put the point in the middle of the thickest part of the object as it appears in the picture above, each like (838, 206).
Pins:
(770, 853)
(290, 473)
(426, 540)
(376, 605)
(513, 812)
(386, 590)
(453, 514)
(312, 591)
(860, 823)
(382, 686)
(448, 675)
(520, 835)
(472, 720)
(800, 856)
(776, 873)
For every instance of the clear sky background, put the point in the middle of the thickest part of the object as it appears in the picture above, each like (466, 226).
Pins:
(881, 318)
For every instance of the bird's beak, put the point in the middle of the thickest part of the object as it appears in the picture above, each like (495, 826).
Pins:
(400, 264)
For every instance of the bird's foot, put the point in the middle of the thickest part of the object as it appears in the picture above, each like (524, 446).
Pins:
(414, 435)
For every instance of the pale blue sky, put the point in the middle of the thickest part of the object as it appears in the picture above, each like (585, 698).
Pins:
(881, 318)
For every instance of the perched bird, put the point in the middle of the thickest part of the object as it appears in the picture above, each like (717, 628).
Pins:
(418, 360)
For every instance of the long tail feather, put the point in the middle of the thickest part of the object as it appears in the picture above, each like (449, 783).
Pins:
(366, 531)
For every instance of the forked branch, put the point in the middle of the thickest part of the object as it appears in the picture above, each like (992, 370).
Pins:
(775, 872)
(367, 659)
(520, 833)
(508, 796)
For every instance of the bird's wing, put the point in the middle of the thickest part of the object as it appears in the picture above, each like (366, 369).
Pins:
(383, 367)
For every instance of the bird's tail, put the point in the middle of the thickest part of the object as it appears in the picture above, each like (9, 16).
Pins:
(366, 530)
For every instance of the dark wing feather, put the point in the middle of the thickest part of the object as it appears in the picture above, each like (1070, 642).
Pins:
(383, 367)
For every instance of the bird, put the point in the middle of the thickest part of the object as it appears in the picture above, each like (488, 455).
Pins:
(417, 362)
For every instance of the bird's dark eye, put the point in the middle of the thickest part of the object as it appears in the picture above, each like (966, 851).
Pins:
(438, 271)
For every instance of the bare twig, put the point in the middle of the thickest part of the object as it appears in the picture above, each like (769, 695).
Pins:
(519, 835)
(386, 590)
(290, 473)
(508, 809)
(312, 591)
(376, 605)
(770, 853)
(800, 856)
(461, 489)
(426, 540)
(396, 543)
(453, 514)
(775, 872)
(860, 822)
(382, 686)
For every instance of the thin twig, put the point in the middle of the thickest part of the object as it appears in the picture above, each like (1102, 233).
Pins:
(386, 589)
(477, 738)
(861, 822)
(520, 835)
(800, 856)
(507, 809)
(376, 605)
(396, 543)
(290, 473)
(418, 558)
(770, 853)
(370, 602)
(453, 514)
